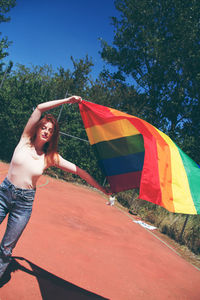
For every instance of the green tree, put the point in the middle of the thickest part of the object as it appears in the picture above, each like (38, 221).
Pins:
(23, 89)
(157, 43)
(5, 7)
(73, 143)
(82, 69)
(110, 91)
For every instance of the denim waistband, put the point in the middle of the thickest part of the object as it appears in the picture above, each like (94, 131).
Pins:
(10, 184)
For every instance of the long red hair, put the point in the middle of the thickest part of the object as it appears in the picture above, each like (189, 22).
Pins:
(51, 147)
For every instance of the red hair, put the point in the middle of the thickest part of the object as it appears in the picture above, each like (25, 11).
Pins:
(51, 147)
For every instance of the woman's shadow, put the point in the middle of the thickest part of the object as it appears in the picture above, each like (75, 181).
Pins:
(51, 286)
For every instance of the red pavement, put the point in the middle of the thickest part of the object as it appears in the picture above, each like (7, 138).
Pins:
(77, 247)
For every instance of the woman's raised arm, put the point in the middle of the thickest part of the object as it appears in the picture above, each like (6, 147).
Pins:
(42, 107)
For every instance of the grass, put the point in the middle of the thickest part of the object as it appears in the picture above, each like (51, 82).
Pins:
(184, 231)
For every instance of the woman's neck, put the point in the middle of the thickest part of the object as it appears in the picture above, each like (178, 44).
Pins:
(39, 147)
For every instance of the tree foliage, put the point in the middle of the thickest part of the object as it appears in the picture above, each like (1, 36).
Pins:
(157, 43)
(5, 7)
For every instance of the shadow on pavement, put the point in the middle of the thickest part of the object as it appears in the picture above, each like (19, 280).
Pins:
(51, 286)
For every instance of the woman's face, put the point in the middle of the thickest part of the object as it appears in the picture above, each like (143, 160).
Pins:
(45, 132)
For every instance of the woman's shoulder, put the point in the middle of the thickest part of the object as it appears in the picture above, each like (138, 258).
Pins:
(24, 141)
(52, 160)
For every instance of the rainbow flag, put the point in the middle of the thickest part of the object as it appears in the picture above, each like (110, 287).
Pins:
(134, 154)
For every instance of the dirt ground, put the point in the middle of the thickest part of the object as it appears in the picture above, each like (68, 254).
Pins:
(182, 250)
(77, 247)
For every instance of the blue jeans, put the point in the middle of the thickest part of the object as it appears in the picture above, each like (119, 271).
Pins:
(18, 204)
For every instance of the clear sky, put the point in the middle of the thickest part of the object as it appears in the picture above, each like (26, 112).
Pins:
(51, 31)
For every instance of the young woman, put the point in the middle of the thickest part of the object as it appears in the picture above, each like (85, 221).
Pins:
(36, 151)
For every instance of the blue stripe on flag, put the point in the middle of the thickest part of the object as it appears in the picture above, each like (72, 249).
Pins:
(123, 164)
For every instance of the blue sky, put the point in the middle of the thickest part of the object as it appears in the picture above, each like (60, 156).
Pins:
(51, 31)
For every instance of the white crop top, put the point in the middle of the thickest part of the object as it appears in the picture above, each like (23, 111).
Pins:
(26, 165)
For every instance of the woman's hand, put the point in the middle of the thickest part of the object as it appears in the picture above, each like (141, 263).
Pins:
(74, 99)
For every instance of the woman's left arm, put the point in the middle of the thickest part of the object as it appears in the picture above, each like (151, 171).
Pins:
(72, 168)
(42, 107)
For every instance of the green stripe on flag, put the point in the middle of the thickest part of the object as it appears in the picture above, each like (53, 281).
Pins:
(193, 173)
(120, 147)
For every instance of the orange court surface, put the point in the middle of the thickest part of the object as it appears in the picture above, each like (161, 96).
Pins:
(77, 247)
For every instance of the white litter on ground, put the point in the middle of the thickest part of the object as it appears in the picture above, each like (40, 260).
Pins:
(150, 227)
(111, 201)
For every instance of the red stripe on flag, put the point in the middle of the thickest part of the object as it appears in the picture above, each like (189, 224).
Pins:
(150, 183)
(125, 181)
(95, 114)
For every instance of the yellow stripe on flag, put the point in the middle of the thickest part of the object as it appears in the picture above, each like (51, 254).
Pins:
(110, 131)
(182, 198)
